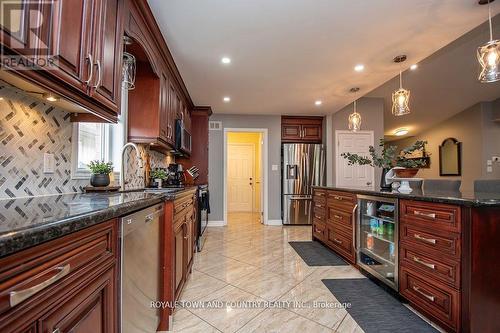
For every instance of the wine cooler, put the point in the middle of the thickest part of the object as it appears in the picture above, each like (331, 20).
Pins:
(377, 238)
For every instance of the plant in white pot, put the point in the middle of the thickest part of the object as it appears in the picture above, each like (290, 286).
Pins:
(158, 176)
(100, 173)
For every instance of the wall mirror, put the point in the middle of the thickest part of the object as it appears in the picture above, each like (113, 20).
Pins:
(450, 158)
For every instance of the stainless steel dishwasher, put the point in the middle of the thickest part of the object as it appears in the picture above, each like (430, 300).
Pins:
(140, 270)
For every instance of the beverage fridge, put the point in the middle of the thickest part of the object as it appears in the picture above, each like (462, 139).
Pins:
(303, 166)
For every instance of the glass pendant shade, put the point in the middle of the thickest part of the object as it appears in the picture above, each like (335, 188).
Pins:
(128, 71)
(400, 102)
(354, 120)
(488, 56)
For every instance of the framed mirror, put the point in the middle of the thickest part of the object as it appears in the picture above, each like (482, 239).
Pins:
(450, 158)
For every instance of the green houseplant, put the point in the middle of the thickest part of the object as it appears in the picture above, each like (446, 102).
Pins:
(100, 173)
(388, 159)
(158, 175)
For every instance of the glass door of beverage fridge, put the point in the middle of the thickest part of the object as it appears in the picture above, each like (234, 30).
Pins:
(377, 238)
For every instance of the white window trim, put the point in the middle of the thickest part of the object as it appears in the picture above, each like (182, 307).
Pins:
(77, 173)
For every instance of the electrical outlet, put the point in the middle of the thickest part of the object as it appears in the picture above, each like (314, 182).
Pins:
(489, 169)
(49, 163)
(489, 162)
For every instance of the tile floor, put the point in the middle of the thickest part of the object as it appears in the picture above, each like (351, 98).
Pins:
(247, 261)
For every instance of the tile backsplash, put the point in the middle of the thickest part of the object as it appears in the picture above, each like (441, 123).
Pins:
(28, 129)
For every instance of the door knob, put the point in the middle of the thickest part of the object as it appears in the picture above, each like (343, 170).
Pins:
(251, 184)
(368, 183)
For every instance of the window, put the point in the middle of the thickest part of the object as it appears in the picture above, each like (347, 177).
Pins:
(95, 141)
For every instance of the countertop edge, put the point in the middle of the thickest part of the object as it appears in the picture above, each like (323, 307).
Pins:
(466, 202)
(17, 241)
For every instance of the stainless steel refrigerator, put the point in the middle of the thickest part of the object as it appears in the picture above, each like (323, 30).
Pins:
(303, 166)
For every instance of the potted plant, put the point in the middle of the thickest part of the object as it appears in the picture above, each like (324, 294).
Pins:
(387, 160)
(100, 173)
(158, 176)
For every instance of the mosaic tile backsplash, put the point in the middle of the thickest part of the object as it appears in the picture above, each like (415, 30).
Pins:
(28, 129)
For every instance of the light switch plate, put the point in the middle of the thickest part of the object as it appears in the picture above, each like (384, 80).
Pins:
(489, 169)
(274, 167)
(49, 163)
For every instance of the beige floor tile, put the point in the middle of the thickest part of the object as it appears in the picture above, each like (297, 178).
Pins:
(229, 270)
(266, 285)
(199, 285)
(186, 322)
(349, 325)
(233, 315)
(281, 320)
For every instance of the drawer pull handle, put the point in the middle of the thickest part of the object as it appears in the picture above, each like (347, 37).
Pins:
(418, 290)
(16, 297)
(421, 262)
(337, 241)
(320, 194)
(427, 240)
(429, 215)
(319, 206)
(318, 217)
(337, 198)
(338, 217)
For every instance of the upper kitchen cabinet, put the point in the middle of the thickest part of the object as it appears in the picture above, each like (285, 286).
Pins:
(159, 98)
(301, 129)
(77, 47)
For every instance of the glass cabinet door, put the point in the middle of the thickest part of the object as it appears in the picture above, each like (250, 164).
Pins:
(377, 238)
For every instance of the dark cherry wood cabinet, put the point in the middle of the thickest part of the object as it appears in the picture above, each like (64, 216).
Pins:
(301, 129)
(82, 41)
(199, 154)
(66, 285)
(160, 97)
(178, 249)
(333, 221)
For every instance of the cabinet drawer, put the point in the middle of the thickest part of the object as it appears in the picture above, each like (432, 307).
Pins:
(319, 213)
(30, 275)
(444, 270)
(340, 218)
(182, 205)
(434, 242)
(436, 300)
(318, 228)
(319, 196)
(319, 204)
(341, 200)
(340, 242)
(438, 216)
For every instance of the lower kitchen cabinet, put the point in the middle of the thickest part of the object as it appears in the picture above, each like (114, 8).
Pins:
(66, 285)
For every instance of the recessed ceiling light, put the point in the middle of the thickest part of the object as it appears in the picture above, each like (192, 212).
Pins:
(359, 68)
(413, 67)
(226, 99)
(401, 131)
(226, 60)
(318, 103)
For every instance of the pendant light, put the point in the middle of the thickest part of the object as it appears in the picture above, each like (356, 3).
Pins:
(128, 66)
(354, 117)
(488, 55)
(401, 97)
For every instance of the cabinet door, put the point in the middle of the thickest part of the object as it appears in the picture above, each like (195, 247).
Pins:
(71, 27)
(174, 106)
(290, 132)
(165, 132)
(311, 133)
(106, 49)
(92, 309)
(178, 259)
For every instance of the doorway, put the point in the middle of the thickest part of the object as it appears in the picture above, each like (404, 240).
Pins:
(245, 175)
(353, 176)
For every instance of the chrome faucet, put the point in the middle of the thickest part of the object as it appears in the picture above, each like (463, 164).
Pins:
(140, 163)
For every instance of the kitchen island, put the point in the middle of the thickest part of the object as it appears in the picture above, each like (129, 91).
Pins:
(446, 246)
(60, 257)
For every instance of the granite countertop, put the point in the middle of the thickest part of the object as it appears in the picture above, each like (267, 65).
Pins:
(468, 199)
(26, 222)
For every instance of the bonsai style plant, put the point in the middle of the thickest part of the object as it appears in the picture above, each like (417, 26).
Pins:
(100, 173)
(388, 159)
(159, 175)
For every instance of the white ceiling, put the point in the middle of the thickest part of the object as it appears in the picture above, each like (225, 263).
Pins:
(444, 84)
(288, 53)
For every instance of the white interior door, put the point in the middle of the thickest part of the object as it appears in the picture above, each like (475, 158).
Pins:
(354, 176)
(240, 177)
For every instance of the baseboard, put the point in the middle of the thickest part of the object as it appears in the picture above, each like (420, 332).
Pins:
(216, 223)
(274, 222)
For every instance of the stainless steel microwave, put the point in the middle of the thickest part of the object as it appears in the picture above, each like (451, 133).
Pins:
(182, 137)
